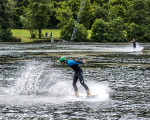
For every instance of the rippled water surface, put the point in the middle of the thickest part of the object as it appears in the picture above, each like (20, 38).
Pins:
(34, 86)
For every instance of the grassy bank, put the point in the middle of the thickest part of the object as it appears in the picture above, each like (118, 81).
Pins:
(25, 35)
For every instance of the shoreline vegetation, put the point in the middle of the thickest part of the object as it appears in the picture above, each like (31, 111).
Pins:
(101, 21)
(25, 36)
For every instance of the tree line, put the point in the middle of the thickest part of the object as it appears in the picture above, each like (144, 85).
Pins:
(108, 20)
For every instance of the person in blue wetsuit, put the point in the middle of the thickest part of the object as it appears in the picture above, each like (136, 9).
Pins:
(134, 43)
(78, 74)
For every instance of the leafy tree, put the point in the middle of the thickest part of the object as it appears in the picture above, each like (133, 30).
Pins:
(87, 14)
(29, 26)
(16, 8)
(99, 31)
(138, 12)
(138, 15)
(135, 31)
(52, 23)
(59, 0)
(100, 2)
(69, 10)
(122, 19)
(117, 8)
(117, 30)
(5, 32)
(64, 14)
(37, 15)
(75, 7)
(67, 31)
(99, 13)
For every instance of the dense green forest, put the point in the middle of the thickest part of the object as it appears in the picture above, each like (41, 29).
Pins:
(108, 20)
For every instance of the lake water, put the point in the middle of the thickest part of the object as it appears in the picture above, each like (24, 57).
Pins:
(34, 86)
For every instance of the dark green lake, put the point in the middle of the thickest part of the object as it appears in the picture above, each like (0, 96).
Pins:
(34, 86)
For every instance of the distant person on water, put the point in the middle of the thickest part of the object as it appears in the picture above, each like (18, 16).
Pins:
(134, 43)
(78, 74)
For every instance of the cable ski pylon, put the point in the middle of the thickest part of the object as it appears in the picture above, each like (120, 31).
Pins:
(78, 21)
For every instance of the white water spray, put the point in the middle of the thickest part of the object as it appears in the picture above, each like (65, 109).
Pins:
(36, 77)
(128, 48)
(42, 83)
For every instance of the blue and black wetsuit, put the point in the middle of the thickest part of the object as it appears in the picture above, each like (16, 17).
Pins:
(78, 74)
(134, 44)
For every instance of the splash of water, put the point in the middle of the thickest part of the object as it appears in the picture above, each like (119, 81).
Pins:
(128, 48)
(64, 89)
(42, 83)
(37, 77)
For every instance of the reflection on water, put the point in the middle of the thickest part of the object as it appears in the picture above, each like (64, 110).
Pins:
(33, 85)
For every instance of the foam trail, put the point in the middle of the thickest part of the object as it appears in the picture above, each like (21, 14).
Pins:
(101, 90)
(65, 90)
(61, 89)
(129, 48)
(3, 91)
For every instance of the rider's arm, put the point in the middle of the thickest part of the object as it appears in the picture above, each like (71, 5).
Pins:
(72, 62)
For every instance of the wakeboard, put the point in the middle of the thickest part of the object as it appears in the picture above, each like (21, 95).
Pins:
(87, 97)
(91, 96)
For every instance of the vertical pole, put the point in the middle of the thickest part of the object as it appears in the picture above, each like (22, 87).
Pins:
(78, 21)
